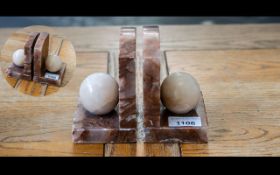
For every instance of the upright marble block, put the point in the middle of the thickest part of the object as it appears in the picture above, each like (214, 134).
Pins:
(40, 55)
(151, 76)
(29, 51)
(127, 88)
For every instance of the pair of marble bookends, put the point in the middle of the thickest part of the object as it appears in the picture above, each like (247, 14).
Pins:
(36, 51)
(147, 120)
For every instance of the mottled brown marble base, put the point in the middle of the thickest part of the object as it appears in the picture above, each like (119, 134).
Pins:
(54, 82)
(17, 72)
(164, 133)
(90, 128)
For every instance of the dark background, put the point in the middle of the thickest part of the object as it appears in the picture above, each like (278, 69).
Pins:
(106, 21)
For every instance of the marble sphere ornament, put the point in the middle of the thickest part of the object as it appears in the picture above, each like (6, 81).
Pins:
(180, 93)
(53, 63)
(18, 57)
(99, 93)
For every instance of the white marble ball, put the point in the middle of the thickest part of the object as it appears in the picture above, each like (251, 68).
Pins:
(18, 57)
(180, 93)
(53, 63)
(99, 93)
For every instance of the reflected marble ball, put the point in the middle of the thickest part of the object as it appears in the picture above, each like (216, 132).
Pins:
(99, 93)
(18, 57)
(53, 63)
(180, 93)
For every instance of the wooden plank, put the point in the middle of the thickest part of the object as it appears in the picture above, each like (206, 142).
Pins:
(62, 148)
(36, 89)
(41, 126)
(24, 86)
(12, 81)
(51, 89)
(187, 37)
(141, 149)
(31, 88)
(241, 92)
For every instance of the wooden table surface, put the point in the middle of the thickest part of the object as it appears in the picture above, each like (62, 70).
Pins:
(237, 67)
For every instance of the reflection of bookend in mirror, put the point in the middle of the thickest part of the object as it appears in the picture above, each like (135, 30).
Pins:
(92, 123)
(41, 54)
(186, 124)
(29, 63)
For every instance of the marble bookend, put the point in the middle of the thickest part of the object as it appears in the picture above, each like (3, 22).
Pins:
(183, 134)
(127, 84)
(151, 76)
(25, 72)
(41, 52)
(154, 123)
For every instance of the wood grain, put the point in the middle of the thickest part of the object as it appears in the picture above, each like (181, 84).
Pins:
(41, 126)
(182, 37)
(237, 67)
(241, 93)
(142, 149)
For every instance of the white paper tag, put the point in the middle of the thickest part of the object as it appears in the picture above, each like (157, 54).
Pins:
(51, 76)
(184, 121)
